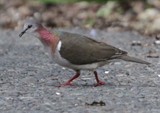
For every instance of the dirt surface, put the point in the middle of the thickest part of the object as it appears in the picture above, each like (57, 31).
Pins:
(28, 77)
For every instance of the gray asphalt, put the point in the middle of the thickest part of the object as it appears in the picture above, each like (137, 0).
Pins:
(28, 77)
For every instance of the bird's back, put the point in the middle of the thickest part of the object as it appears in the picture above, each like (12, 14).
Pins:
(79, 50)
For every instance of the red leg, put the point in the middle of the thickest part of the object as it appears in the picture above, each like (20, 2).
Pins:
(68, 82)
(98, 81)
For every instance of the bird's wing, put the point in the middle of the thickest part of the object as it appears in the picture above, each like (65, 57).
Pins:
(79, 50)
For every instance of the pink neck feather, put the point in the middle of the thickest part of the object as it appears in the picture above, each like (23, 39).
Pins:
(47, 37)
(45, 34)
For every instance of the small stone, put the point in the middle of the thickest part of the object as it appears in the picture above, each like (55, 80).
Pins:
(136, 43)
(75, 104)
(148, 14)
(31, 85)
(106, 72)
(9, 98)
(86, 78)
(117, 63)
(153, 56)
(93, 32)
(57, 93)
(157, 42)
(121, 75)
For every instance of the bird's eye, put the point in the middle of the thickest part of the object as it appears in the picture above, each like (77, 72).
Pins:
(29, 26)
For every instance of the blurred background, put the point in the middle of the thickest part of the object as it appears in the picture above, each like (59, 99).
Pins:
(142, 16)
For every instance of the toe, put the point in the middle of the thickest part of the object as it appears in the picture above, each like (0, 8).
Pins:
(66, 83)
(99, 83)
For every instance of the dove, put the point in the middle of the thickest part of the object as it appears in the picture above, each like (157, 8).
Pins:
(76, 51)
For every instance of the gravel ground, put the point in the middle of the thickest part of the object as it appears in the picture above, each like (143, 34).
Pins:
(28, 77)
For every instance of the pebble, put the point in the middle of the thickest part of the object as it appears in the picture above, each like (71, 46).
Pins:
(157, 42)
(57, 93)
(106, 72)
(93, 32)
(136, 43)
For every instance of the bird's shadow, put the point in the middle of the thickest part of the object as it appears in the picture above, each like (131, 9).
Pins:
(107, 85)
(90, 85)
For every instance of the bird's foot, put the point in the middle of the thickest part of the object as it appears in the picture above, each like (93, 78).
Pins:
(99, 83)
(66, 83)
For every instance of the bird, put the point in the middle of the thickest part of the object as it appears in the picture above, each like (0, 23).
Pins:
(76, 51)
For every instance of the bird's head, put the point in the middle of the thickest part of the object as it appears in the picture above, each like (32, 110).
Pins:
(30, 27)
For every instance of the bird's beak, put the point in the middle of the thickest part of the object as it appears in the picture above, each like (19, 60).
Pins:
(23, 32)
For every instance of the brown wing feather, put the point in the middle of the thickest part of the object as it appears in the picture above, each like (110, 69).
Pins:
(80, 50)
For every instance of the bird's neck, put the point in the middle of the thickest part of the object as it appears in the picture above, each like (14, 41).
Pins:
(47, 37)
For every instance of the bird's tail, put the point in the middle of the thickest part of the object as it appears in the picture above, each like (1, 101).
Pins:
(132, 59)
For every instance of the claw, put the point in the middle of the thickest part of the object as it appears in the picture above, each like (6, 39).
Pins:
(66, 83)
(99, 83)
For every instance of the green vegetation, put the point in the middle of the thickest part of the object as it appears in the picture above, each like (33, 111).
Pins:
(90, 22)
(103, 11)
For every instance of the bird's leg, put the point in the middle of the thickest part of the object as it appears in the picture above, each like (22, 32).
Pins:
(68, 82)
(98, 81)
